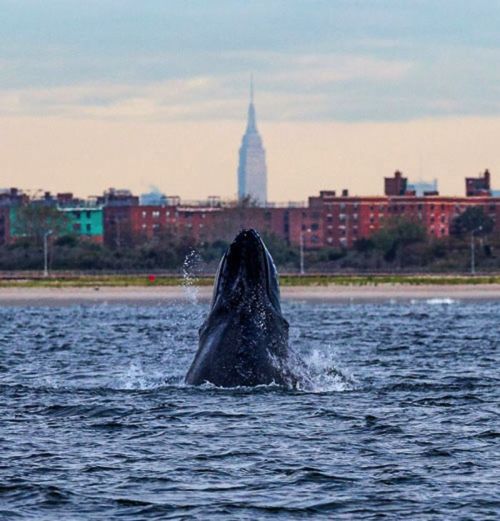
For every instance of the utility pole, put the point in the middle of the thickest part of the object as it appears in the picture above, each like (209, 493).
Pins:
(46, 253)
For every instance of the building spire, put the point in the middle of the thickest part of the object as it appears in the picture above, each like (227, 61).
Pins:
(251, 124)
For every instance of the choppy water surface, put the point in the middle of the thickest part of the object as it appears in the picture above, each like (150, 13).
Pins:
(96, 424)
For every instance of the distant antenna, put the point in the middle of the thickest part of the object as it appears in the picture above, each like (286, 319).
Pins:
(251, 88)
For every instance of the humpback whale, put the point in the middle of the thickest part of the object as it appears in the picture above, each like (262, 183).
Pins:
(244, 339)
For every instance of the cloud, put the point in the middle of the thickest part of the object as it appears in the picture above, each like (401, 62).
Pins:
(302, 86)
(288, 85)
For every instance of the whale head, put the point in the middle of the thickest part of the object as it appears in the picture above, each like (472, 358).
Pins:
(244, 338)
(247, 274)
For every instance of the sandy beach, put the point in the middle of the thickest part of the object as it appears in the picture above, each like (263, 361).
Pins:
(154, 295)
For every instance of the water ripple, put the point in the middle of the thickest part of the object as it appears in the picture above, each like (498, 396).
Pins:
(403, 421)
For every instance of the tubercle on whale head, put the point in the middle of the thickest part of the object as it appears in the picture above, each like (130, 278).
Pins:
(247, 268)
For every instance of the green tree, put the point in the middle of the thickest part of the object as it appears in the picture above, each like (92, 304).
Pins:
(34, 221)
(474, 220)
(395, 236)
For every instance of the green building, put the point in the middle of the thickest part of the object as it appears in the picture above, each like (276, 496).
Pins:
(86, 221)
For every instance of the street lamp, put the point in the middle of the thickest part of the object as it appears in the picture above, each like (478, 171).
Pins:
(473, 250)
(46, 253)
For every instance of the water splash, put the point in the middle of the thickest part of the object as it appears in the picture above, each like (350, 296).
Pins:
(137, 378)
(191, 269)
(326, 373)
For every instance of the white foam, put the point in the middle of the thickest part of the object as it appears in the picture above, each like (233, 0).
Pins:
(326, 374)
(441, 301)
(136, 378)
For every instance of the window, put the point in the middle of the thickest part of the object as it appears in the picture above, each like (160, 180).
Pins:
(156, 214)
(314, 226)
(88, 215)
(88, 228)
(144, 214)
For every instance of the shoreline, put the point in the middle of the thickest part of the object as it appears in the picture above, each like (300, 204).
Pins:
(327, 293)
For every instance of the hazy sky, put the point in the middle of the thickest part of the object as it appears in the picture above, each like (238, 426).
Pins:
(132, 94)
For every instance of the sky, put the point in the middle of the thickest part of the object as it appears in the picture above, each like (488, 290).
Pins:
(138, 94)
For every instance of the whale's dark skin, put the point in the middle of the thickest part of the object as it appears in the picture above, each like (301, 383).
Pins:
(244, 339)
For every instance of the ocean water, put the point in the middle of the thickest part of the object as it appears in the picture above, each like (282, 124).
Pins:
(403, 422)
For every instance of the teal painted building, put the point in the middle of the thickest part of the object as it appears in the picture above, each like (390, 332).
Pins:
(85, 221)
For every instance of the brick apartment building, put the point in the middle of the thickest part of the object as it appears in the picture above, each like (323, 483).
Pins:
(332, 220)
(126, 225)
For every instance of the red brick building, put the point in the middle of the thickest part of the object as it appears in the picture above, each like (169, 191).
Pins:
(149, 222)
(396, 185)
(477, 186)
(135, 224)
(333, 221)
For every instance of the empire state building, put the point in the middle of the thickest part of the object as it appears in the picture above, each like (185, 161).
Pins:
(252, 170)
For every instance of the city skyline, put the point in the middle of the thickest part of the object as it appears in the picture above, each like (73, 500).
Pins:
(94, 96)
